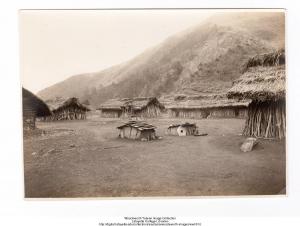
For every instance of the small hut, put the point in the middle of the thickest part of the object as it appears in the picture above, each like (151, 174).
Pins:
(143, 107)
(264, 83)
(186, 129)
(207, 106)
(33, 107)
(70, 109)
(137, 131)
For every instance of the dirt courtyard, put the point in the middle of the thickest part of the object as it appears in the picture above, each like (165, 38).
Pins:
(87, 159)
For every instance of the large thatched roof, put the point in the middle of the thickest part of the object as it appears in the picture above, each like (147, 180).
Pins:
(34, 104)
(142, 102)
(204, 102)
(137, 103)
(263, 80)
(112, 104)
(58, 104)
(72, 102)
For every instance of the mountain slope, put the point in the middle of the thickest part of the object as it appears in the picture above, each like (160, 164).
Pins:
(202, 59)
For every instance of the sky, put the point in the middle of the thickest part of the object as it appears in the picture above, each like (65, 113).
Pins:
(57, 44)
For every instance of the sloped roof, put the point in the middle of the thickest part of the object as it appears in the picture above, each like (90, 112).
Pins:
(61, 103)
(137, 103)
(263, 80)
(113, 104)
(35, 104)
(138, 125)
(142, 102)
(186, 124)
(205, 102)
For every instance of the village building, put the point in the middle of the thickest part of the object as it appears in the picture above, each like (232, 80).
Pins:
(112, 108)
(137, 130)
(140, 107)
(70, 109)
(186, 129)
(143, 107)
(213, 106)
(264, 83)
(33, 107)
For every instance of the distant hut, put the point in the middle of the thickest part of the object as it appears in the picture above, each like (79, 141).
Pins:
(264, 83)
(33, 107)
(143, 107)
(70, 109)
(140, 107)
(186, 129)
(112, 108)
(137, 131)
(207, 107)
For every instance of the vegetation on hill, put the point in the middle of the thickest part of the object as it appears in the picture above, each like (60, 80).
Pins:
(202, 59)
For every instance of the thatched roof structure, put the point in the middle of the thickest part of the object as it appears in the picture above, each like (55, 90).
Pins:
(61, 103)
(205, 102)
(263, 80)
(140, 103)
(137, 103)
(268, 59)
(34, 104)
(112, 104)
(138, 125)
(72, 102)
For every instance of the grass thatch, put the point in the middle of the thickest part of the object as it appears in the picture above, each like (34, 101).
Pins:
(263, 83)
(267, 60)
(138, 125)
(35, 104)
(60, 104)
(140, 103)
(135, 103)
(112, 104)
(205, 102)
(260, 83)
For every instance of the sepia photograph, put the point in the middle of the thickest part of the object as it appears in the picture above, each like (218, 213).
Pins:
(153, 102)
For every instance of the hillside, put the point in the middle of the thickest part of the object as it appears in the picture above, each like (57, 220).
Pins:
(202, 59)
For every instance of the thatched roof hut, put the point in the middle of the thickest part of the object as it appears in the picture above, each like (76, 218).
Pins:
(260, 83)
(140, 103)
(264, 83)
(112, 108)
(72, 102)
(203, 106)
(112, 104)
(67, 109)
(139, 106)
(205, 102)
(32, 107)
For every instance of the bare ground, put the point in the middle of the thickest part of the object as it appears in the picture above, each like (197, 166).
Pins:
(86, 159)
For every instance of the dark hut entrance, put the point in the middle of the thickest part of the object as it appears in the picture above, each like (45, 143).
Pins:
(236, 113)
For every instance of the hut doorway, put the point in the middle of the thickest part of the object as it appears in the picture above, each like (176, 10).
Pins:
(181, 131)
